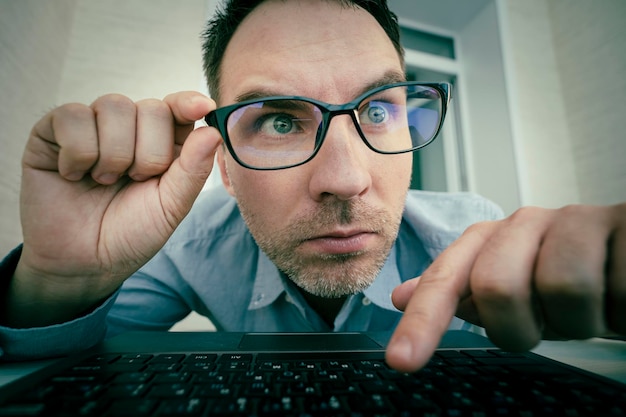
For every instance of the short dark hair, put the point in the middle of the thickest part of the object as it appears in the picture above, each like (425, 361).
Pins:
(221, 28)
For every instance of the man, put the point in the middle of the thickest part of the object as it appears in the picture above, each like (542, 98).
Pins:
(106, 186)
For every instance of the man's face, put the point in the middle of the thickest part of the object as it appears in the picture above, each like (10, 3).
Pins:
(328, 224)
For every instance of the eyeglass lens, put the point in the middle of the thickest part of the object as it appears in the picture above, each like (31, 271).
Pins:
(283, 132)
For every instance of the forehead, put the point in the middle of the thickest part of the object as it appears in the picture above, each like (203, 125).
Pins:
(316, 48)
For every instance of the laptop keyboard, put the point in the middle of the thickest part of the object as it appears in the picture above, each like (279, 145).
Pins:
(474, 383)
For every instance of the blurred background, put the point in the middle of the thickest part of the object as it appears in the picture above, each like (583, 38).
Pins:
(539, 86)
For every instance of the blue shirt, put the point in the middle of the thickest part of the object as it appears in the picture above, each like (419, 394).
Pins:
(212, 265)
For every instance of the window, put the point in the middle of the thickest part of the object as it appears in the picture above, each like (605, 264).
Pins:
(431, 58)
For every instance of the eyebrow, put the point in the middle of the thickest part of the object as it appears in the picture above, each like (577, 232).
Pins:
(389, 77)
(286, 104)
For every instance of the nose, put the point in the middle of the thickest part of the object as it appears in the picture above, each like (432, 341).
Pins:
(342, 166)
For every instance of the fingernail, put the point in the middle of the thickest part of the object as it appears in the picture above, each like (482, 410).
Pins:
(401, 348)
(108, 178)
(195, 100)
(140, 177)
(74, 176)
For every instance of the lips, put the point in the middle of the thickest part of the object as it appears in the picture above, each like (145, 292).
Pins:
(340, 242)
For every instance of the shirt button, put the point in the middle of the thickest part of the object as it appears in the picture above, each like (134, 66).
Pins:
(259, 298)
(366, 301)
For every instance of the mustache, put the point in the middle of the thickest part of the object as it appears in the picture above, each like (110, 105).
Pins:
(332, 213)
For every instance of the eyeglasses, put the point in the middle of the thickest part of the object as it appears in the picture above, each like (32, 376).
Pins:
(281, 132)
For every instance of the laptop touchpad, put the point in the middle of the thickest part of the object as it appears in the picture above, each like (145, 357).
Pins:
(307, 342)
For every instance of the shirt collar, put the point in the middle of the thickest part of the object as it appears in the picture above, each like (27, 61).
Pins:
(388, 278)
(268, 285)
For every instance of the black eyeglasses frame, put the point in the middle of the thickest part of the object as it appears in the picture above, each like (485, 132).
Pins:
(218, 117)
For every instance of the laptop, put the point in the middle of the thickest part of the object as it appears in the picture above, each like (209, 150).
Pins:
(305, 375)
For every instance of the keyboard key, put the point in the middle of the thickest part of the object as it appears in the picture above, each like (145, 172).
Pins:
(168, 358)
(184, 407)
(132, 377)
(234, 406)
(162, 367)
(127, 390)
(379, 387)
(303, 388)
(306, 366)
(257, 388)
(201, 357)
(236, 357)
(373, 403)
(272, 366)
(216, 390)
(132, 408)
(170, 390)
(171, 377)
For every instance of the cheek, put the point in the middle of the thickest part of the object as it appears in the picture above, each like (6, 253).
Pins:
(393, 173)
(267, 196)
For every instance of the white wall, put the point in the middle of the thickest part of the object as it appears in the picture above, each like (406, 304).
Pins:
(142, 49)
(60, 51)
(565, 63)
(541, 134)
(590, 47)
(490, 157)
(34, 38)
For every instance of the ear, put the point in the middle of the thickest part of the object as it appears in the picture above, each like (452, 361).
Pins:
(221, 162)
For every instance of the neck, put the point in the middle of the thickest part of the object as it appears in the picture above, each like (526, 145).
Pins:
(327, 308)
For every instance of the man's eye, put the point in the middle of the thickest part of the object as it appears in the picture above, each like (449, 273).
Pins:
(276, 124)
(377, 114)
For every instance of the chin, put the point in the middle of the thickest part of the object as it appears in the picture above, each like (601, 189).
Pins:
(336, 281)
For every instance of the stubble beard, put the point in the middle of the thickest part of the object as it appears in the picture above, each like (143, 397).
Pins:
(328, 275)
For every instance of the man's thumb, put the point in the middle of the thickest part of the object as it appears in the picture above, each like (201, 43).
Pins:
(403, 292)
(184, 180)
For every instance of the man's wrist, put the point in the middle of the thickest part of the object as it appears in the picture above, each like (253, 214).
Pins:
(8, 266)
(31, 299)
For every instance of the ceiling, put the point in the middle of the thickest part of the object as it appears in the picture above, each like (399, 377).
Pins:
(450, 15)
